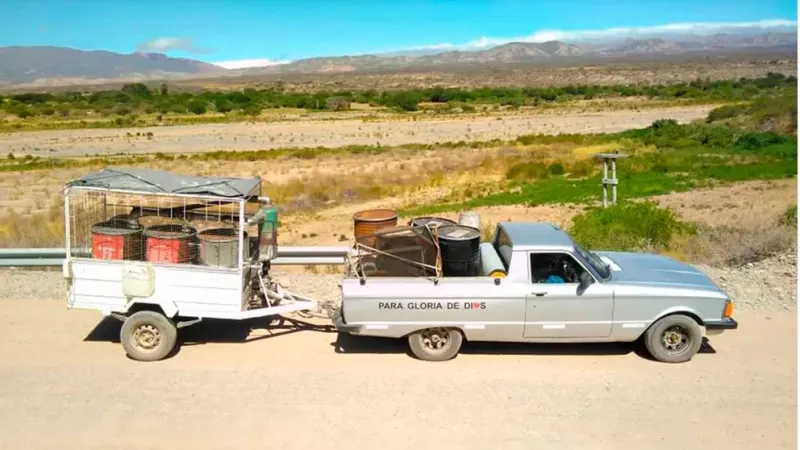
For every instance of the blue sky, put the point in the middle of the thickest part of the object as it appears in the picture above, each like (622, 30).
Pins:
(237, 30)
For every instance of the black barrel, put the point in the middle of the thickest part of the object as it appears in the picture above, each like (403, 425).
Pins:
(461, 250)
(433, 221)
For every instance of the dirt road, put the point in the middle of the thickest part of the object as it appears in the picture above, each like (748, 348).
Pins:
(259, 136)
(63, 384)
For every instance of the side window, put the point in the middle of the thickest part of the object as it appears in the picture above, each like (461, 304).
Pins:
(555, 268)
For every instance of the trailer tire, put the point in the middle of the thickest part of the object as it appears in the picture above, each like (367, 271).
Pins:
(148, 336)
(435, 344)
(674, 339)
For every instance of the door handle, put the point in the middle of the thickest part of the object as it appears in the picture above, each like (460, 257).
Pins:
(539, 294)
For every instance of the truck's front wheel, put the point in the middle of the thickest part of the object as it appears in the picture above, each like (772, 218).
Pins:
(148, 336)
(435, 344)
(674, 339)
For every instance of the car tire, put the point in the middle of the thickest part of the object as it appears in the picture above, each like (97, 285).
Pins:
(674, 339)
(148, 336)
(435, 344)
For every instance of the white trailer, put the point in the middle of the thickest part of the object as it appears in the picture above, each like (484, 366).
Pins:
(161, 251)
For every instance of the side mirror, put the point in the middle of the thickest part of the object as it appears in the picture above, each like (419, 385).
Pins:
(586, 280)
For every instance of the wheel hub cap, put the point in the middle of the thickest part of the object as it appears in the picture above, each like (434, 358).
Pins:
(435, 340)
(675, 340)
(146, 337)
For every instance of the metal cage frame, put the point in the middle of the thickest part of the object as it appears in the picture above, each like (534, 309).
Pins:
(219, 200)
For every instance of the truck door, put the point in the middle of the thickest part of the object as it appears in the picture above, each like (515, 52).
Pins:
(558, 306)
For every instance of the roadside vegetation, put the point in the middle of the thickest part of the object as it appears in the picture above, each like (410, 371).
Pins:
(748, 140)
(136, 104)
(643, 226)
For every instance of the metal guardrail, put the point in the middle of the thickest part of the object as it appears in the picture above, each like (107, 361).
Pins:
(287, 256)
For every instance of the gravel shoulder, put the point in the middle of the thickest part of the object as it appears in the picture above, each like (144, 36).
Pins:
(260, 136)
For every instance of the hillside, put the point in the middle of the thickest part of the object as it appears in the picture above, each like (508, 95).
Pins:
(59, 65)
(520, 52)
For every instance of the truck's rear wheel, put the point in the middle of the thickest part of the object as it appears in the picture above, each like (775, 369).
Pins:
(435, 344)
(674, 339)
(148, 336)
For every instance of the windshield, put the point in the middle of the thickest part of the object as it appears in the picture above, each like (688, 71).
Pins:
(597, 264)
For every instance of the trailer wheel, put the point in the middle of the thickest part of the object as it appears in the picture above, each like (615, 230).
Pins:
(674, 339)
(435, 344)
(148, 336)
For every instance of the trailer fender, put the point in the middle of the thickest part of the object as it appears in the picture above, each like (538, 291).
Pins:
(169, 308)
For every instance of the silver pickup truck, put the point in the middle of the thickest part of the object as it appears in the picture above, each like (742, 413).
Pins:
(600, 297)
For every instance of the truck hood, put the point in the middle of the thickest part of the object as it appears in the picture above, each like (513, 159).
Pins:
(655, 270)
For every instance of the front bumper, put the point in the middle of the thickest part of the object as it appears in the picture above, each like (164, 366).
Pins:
(341, 325)
(721, 325)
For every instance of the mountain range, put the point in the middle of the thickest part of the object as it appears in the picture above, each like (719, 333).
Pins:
(52, 66)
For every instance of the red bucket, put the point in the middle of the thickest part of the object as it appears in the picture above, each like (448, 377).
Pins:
(117, 239)
(170, 243)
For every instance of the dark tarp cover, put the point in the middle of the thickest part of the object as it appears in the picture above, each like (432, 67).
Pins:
(146, 180)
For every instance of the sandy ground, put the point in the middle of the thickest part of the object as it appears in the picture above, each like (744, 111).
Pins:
(244, 136)
(71, 387)
(746, 204)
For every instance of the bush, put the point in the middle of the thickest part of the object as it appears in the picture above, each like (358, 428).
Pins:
(407, 101)
(338, 103)
(223, 105)
(527, 171)
(755, 141)
(197, 107)
(789, 217)
(627, 227)
(725, 112)
(556, 169)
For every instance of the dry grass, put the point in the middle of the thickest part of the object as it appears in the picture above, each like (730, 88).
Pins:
(41, 229)
(726, 246)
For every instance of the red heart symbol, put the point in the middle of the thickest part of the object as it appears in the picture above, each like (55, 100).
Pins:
(476, 305)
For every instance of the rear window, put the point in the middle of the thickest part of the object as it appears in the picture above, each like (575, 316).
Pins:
(502, 244)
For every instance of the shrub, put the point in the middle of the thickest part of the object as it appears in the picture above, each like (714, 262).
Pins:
(527, 170)
(789, 217)
(627, 227)
(755, 140)
(223, 105)
(405, 100)
(556, 168)
(581, 168)
(338, 103)
(725, 112)
(197, 107)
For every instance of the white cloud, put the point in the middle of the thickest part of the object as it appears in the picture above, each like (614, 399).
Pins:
(167, 44)
(247, 63)
(585, 35)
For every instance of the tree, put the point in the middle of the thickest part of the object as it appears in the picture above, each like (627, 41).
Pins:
(163, 90)
(408, 101)
(223, 105)
(252, 109)
(197, 107)
(136, 90)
